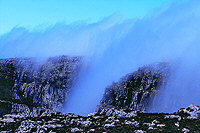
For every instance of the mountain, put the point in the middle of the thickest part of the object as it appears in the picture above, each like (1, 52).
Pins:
(36, 84)
(33, 93)
(136, 90)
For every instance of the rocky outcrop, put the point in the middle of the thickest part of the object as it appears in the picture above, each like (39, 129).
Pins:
(36, 84)
(192, 111)
(10, 107)
(31, 95)
(136, 90)
(108, 120)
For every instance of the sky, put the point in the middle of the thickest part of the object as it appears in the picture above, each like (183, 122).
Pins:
(39, 14)
(148, 32)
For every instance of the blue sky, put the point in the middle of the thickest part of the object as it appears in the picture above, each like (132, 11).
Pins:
(114, 49)
(41, 13)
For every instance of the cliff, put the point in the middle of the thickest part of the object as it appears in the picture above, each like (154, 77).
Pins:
(36, 84)
(136, 90)
(32, 94)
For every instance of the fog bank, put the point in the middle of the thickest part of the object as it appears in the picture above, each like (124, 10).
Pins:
(114, 47)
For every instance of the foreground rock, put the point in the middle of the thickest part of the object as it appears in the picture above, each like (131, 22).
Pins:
(108, 120)
(136, 90)
(36, 84)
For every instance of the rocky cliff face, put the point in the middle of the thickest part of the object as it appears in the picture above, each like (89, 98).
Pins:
(136, 90)
(25, 81)
(31, 95)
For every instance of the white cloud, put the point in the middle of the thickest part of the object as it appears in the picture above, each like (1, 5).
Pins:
(114, 48)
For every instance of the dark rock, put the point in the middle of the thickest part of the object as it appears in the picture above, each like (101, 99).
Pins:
(10, 107)
(35, 84)
(5, 107)
(136, 90)
(32, 94)
(122, 121)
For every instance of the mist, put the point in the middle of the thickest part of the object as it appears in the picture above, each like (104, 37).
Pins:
(183, 87)
(114, 47)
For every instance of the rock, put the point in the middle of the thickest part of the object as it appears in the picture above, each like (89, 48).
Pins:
(27, 82)
(139, 131)
(150, 128)
(27, 126)
(69, 122)
(92, 130)
(131, 114)
(173, 117)
(109, 112)
(76, 130)
(52, 132)
(185, 130)
(129, 123)
(35, 96)
(132, 122)
(92, 114)
(136, 90)
(110, 119)
(177, 124)
(155, 121)
(10, 107)
(108, 125)
(7, 120)
(193, 111)
(161, 125)
(85, 123)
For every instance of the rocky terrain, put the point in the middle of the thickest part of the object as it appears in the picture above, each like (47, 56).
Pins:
(136, 90)
(108, 120)
(26, 84)
(32, 96)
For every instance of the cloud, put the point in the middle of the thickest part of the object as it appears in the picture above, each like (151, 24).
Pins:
(75, 39)
(112, 48)
(169, 35)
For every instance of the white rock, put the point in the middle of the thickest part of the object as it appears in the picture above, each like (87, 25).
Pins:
(84, 123)
(92, 114)
(92, 130)
(161, 125)
(116, 121)
(96, 117)
(76, 129)
(177, 124)
(139, 131)
(52, 132)
(131, 114)
(7, 120)
(110, 119)
(148, 124)
(109, 112)
(192, 110)
(172, 117)
(128, 123)
(150, 128)
(108, 125)
(155, 121)
(135, 123)
(185, 130)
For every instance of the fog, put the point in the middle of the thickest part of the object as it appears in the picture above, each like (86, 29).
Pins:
(114, 47)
